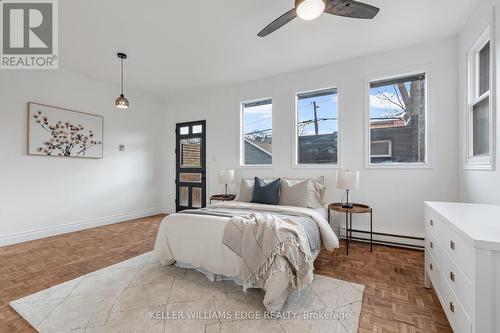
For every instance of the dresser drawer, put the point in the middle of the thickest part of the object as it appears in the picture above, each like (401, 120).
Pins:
(456, 314)
(458, 282)
(433, 270)
(431, 221)
(457, 248)
(432, 246)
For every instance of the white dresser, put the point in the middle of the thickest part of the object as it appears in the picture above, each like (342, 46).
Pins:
(462, 263)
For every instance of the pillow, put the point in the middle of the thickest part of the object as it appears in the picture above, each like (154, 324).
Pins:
(245, 186)
(315, 192)
(266, 193)
(294, 194)
(246, 191)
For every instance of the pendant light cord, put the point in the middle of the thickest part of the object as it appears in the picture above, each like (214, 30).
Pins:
(122, 74)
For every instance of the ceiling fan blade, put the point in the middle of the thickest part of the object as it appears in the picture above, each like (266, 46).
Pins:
(278, 23)
(351, 8)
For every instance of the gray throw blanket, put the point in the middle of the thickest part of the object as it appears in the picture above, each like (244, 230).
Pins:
(275, 252)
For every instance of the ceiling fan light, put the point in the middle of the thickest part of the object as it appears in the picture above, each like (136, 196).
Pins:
(310, 9)
(121, 102)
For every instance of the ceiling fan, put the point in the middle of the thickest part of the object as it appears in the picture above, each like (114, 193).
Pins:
(311, 9)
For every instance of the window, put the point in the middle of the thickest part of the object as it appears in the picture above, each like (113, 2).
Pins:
(382, 148)
(257, 133)
(317, 127)
(479, 108)
(397, 128)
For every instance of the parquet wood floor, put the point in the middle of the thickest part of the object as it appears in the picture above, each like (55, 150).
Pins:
(394, 301)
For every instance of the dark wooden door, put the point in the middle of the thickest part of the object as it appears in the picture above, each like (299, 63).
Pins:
(190, 155)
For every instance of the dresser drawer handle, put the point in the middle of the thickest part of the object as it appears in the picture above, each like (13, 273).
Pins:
(452, 307)
(431, 267)
(452, 245)
(431, 244)
(452, 276)
(431, 222)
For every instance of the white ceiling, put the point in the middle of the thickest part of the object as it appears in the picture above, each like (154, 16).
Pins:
(178, 45)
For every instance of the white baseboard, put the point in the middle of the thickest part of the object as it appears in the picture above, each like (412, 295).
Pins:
(167, 210)
(76, 226)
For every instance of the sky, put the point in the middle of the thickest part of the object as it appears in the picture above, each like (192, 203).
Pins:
(380, 107)
(328, 108)
(260, 117)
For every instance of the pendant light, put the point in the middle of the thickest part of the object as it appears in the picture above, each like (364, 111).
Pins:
(121, 102)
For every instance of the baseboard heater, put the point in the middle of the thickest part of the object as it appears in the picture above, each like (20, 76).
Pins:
(388, 243)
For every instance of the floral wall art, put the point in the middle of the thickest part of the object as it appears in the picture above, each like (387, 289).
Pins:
(65, 133)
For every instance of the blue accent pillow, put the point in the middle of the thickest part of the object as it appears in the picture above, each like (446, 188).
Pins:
(266, 193)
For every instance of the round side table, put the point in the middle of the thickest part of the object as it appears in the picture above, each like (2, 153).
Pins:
(222, 197)
(356, 209)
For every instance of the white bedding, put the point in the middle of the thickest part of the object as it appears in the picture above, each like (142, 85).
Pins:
(197, 239)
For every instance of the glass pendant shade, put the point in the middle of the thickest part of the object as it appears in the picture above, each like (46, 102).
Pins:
(121, 102)
(310, 9)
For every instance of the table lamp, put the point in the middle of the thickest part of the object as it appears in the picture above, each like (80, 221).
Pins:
(347, 180)
(226, 177)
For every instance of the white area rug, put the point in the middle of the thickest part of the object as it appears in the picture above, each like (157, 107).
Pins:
(139, 295)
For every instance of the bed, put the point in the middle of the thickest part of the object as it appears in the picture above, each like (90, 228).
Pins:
(194, 239)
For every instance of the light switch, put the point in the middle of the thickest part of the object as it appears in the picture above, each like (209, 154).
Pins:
(121, 147)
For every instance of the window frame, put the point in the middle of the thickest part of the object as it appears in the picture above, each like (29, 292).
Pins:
(242, 133)
(428, 153)
(295, 145)
(487, 161)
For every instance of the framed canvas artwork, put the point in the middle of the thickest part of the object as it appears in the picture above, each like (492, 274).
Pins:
(60, 132)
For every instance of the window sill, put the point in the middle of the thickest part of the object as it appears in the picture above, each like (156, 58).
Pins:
(257, 166)
(479, 167)
(317, 166)
(399, 166)
(479, 163)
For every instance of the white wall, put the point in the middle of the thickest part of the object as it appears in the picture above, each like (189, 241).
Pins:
(396, 195)
(41, 196)
(478, 186)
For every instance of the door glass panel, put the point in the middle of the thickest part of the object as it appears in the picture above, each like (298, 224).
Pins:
(197, 129)
(196, 191)
(190, 153)
(185, 130)
(183, 196)
(190, 177)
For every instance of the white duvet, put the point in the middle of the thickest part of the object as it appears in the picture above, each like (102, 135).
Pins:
(196, 240)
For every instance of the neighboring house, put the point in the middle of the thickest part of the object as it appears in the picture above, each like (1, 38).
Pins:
(397, 144)
(384, 123)
(258, 152)
(318, 149)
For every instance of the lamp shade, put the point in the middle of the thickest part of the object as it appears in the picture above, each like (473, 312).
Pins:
(226, 176)
(347, 180)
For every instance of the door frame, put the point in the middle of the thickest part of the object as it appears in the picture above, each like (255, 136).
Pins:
(203, 160)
